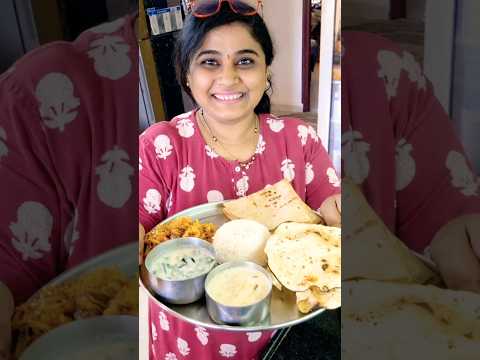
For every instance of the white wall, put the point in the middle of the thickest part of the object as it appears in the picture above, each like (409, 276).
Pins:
(284, 20)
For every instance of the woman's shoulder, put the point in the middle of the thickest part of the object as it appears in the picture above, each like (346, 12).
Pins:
(289, 126)
(178, 129)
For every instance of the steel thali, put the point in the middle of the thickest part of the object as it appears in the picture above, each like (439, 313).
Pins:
(283, 309)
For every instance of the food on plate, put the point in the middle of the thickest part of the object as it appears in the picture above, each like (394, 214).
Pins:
(100, 292)
(403, 321)
(241, 239)
(238, 286)
(182, 263)
(372, 251)
(272, 206)
(314, 298)
(179, 227)
(303, 255)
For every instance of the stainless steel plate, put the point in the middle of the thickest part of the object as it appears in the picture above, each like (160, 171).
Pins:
(102, 338)
(283, 309)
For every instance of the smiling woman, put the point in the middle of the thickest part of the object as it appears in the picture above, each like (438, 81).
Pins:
(228, 147)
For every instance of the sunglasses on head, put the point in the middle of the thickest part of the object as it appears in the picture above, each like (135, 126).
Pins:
(206, 8)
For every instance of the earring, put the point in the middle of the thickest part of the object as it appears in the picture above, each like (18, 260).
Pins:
(188, 84)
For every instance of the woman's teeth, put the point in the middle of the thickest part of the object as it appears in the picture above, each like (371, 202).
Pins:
(228, 97)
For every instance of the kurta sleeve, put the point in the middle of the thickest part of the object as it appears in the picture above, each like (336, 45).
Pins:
(33, 213)
(157, 164)
(320, 176)
(434, 179)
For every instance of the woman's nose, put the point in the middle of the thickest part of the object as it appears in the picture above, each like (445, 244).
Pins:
(229, 75)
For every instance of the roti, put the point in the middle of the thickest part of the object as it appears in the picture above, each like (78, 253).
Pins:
(386, 320)
(305, 255)
(371, 250)
(272, 206)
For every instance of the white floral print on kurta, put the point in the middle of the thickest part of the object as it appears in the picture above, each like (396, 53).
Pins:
(214, 196)
(228, 350)
(187, 179)
(242, 186)
(183, 347)
(414, 70)
(163, 147)
(210, 152)
(114, 187)
(260, 145)
(313, 134)
(154, 332)
(309, 173)
(202, 335)
(169, 203)
(184, 115)
(170, 356)
(71, 234)
(151, 201)
(288, 169)
(140, 164)
(110, 56)
(276, 125)
(405, 165)
(32, 229)
(303, 134)
(332, 177)
(462, 176)
(55, 93)
(185, 127)
(254, 336)
(390, 70)
(354, 156)
(164, 324)
(3, 143)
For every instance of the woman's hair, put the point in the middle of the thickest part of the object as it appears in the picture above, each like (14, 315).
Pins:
(193, 34)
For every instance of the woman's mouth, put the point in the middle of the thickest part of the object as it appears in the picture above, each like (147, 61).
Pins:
(230, 97)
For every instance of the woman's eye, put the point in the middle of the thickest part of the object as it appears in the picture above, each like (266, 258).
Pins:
(209, 62)
(245, 61)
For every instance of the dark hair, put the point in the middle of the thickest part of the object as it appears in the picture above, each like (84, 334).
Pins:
(194, 32)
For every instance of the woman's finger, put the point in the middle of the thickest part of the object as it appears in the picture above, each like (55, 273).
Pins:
(330, 211)
(454, 256)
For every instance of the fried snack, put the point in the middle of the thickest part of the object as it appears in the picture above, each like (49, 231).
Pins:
(314, 298)
(179, 227)
(102, 291)
(272, 206)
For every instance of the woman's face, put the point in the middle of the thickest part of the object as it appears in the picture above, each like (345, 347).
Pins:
(227, 75)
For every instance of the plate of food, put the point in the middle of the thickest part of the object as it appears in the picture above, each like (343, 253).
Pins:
(261, 262)
(105, 286)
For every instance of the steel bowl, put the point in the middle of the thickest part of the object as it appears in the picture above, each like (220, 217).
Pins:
(176, 291)
(238, 315)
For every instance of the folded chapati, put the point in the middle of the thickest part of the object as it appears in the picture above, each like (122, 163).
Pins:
(272, 206)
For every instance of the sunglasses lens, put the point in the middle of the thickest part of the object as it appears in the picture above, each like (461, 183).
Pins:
(246, 7)
(205, 7)
(210, 7)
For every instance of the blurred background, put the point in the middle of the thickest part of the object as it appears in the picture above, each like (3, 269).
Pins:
(443, 36)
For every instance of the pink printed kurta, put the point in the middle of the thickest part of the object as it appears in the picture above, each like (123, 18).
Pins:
(398, 143)
(179, 170)
(68, 155)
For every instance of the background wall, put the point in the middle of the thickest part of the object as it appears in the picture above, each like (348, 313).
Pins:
(284, 20)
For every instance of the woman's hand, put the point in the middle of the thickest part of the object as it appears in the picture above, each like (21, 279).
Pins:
(455, 249)
(141, 236)
(331, 210)
(6, 312)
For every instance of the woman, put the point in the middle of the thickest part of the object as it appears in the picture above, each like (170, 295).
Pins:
(228, 147)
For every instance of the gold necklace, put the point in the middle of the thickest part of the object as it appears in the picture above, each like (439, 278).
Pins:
(216, 140)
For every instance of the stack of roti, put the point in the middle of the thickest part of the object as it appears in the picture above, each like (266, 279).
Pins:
(306, 259)
(272, 206)
(391, 310)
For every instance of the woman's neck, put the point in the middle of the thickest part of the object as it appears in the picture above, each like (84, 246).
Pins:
(233, 132)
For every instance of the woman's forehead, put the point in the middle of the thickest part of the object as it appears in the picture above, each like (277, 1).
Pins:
(230, 39)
